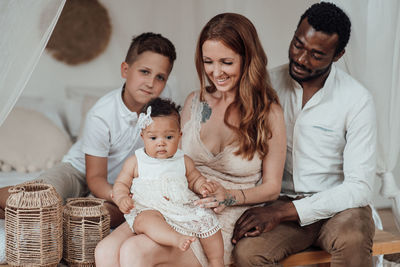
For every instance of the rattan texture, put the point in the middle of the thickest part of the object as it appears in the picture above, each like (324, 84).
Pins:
(82, 32)
(86, 222)
(33, 223)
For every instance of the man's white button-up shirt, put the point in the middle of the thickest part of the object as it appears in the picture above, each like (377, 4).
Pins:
(331, 144)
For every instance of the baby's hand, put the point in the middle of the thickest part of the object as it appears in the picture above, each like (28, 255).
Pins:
(125, 204)
(208, 188)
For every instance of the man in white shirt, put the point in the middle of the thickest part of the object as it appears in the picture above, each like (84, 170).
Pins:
(330, 165)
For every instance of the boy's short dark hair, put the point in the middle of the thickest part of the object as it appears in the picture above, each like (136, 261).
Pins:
(163, 107)
(153, 42)
(330, 19)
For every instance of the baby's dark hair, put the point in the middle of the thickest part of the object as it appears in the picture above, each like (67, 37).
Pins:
(153, 42)
(330, 19)
(161, 107)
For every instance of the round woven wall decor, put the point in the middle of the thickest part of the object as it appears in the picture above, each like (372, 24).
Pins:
(82, 32)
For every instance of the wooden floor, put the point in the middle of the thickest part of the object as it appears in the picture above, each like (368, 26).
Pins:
(389, 225)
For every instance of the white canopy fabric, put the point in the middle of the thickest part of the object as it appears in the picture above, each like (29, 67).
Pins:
(373, 58)
(25, 28)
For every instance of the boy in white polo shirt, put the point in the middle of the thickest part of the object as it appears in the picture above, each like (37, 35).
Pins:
(110, 134)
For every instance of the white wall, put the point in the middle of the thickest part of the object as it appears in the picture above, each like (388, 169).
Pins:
(181, 22)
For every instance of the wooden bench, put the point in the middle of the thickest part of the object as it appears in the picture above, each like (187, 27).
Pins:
(384, 243)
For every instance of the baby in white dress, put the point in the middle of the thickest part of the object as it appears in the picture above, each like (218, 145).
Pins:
(157, 186)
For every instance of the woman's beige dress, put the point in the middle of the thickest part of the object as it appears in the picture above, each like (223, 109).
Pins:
(232, 171)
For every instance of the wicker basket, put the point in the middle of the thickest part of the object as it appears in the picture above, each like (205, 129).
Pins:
(33, 225)
(86, 222)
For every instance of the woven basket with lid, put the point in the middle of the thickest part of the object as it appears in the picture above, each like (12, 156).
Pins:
(33, 223)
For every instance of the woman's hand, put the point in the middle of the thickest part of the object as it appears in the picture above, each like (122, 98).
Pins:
(208, 188)
(217, 198)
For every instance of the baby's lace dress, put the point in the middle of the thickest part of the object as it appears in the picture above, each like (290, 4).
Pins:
(162, 186)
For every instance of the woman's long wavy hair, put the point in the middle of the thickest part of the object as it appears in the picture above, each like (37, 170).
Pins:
(255, 94)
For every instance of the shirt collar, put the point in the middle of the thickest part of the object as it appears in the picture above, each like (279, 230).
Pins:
(321, 93)
(125, 113)
(330, 80)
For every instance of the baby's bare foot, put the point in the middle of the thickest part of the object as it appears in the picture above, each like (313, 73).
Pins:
(185, 241)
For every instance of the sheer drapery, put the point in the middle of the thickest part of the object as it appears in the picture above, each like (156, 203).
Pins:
(373, 57)
(25, 28)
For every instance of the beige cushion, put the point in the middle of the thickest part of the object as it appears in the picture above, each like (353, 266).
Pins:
(30, 142)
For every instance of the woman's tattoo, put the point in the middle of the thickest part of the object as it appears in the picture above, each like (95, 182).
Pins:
(229, 200)
(205, 112)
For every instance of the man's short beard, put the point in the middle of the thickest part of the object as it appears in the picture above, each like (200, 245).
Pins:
(309, 78)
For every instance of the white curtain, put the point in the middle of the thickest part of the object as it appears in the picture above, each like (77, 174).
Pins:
(373, 58)
(25, 27)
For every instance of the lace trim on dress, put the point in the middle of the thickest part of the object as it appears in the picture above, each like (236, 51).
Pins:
(201, 235)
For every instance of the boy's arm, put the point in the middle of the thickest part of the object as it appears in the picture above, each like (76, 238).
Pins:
(123, 183)
(96, 177)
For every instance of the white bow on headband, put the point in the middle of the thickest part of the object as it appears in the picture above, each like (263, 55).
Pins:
(145, 119)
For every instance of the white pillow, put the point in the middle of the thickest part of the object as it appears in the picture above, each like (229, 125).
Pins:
(87, 103)
(31, 142)
(75, 97)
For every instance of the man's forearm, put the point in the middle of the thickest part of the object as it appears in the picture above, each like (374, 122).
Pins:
(287, 212)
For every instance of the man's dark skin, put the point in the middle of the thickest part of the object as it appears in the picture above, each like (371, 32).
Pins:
(311, 54)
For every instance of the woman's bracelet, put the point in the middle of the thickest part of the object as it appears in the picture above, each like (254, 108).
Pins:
(244, 196)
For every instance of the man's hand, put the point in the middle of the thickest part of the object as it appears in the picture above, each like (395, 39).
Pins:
(253, 222)
(257, 220)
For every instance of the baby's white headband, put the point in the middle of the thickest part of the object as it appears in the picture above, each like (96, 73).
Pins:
(145, 119)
